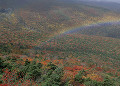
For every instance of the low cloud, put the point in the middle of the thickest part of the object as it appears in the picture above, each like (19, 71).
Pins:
(117, 1)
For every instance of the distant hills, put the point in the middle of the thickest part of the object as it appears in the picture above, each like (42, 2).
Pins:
(102, 3)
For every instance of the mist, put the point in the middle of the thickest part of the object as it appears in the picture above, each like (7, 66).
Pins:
(117, 1)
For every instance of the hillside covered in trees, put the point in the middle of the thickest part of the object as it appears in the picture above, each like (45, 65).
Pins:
(39, 47)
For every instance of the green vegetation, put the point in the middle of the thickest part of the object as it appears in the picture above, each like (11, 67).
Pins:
(31, 73)
(34, 52)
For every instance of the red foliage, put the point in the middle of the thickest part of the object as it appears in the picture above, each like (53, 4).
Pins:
(4, 85)
(77, 67)
(68, 68)
(8, 77)
(99, 69)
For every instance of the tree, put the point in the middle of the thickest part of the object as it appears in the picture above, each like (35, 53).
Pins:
(4, 65)
(39, 65)
(30, 70)
(79, 76)
(108, 82)
(53, 78)
(27, 62)
(52, 66)
(89, 82)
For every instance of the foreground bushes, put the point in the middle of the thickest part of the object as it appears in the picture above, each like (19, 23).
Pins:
(35, 73)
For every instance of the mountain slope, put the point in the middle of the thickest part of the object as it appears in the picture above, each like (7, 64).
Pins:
(35, 48)
(59, 17)
(104, 52)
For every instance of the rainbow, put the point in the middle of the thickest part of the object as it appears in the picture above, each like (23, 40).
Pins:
(73, 30)
(91, 26)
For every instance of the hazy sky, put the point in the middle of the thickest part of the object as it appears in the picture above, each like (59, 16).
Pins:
(118, 1)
